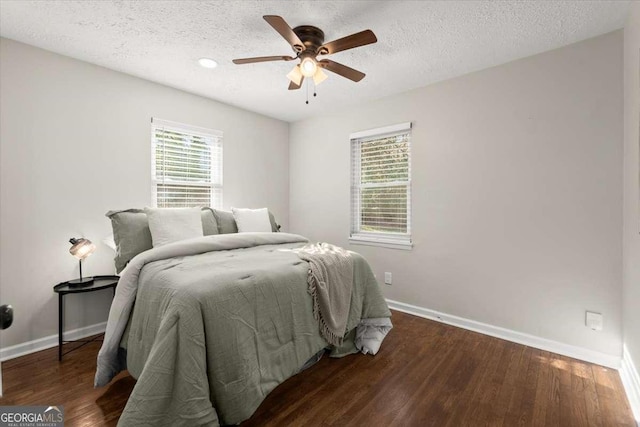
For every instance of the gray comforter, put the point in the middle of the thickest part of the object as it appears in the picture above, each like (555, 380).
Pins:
(218, 323)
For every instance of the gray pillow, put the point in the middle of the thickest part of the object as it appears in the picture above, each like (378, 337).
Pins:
(209, 223)
(227, 224)
(132, 236)
(275, 227)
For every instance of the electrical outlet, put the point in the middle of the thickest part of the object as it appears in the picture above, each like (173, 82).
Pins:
(387, 278)
(594, 320)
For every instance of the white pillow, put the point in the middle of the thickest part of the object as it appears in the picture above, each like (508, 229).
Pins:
(168, 225)
(249, 220)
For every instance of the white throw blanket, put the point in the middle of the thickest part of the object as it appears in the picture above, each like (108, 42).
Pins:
(370, 333)
(330, 282)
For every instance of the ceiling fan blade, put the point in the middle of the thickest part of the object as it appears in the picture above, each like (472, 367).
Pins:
(263, 59)
(281, 26)
(342, 70)
(293, 86)
(349, 42)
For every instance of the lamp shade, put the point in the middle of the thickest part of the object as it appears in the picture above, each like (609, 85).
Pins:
(81, 248)
(295, 75)
(308, 66)
(319, 76)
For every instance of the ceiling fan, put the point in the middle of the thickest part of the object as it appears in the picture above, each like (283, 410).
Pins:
(307, 42)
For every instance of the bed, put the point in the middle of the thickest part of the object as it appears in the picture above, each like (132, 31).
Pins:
(209, 326)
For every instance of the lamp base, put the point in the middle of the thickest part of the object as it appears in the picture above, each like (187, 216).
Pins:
(85, 281)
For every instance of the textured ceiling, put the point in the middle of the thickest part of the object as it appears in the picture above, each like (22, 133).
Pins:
(419, 42)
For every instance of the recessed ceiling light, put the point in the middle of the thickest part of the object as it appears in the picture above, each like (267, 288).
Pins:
(207, 63)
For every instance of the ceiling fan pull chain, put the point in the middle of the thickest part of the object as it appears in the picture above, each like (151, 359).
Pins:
(315, 89)
(307, 89)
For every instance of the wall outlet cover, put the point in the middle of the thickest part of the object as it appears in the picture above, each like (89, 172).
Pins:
(387, 278)
(594, 320)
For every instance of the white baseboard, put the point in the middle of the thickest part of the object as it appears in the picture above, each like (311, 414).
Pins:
(50, 341)
(509, 335)
(631, 381)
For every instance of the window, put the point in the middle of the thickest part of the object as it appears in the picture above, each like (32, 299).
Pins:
(186, 165)
(381, 187)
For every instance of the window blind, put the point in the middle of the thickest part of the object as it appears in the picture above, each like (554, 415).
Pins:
(381, 185)
(186, 165)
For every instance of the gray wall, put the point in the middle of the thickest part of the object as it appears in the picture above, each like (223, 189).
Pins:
(517, 201)
(75, 143)
(631, 291)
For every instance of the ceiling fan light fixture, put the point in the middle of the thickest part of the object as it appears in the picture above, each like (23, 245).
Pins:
(319, 76)
(295, 75)
(308, 66)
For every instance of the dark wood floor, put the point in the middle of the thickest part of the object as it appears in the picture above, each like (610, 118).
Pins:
(426, 374)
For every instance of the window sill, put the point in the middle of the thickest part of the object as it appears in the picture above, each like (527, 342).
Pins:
(405, 245)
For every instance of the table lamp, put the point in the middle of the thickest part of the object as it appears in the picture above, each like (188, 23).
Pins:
(81, 248)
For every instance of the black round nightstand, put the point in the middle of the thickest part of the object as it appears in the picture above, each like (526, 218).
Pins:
(64, 288)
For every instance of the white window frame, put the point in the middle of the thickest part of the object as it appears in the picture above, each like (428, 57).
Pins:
(215, 185)
(383, 239)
